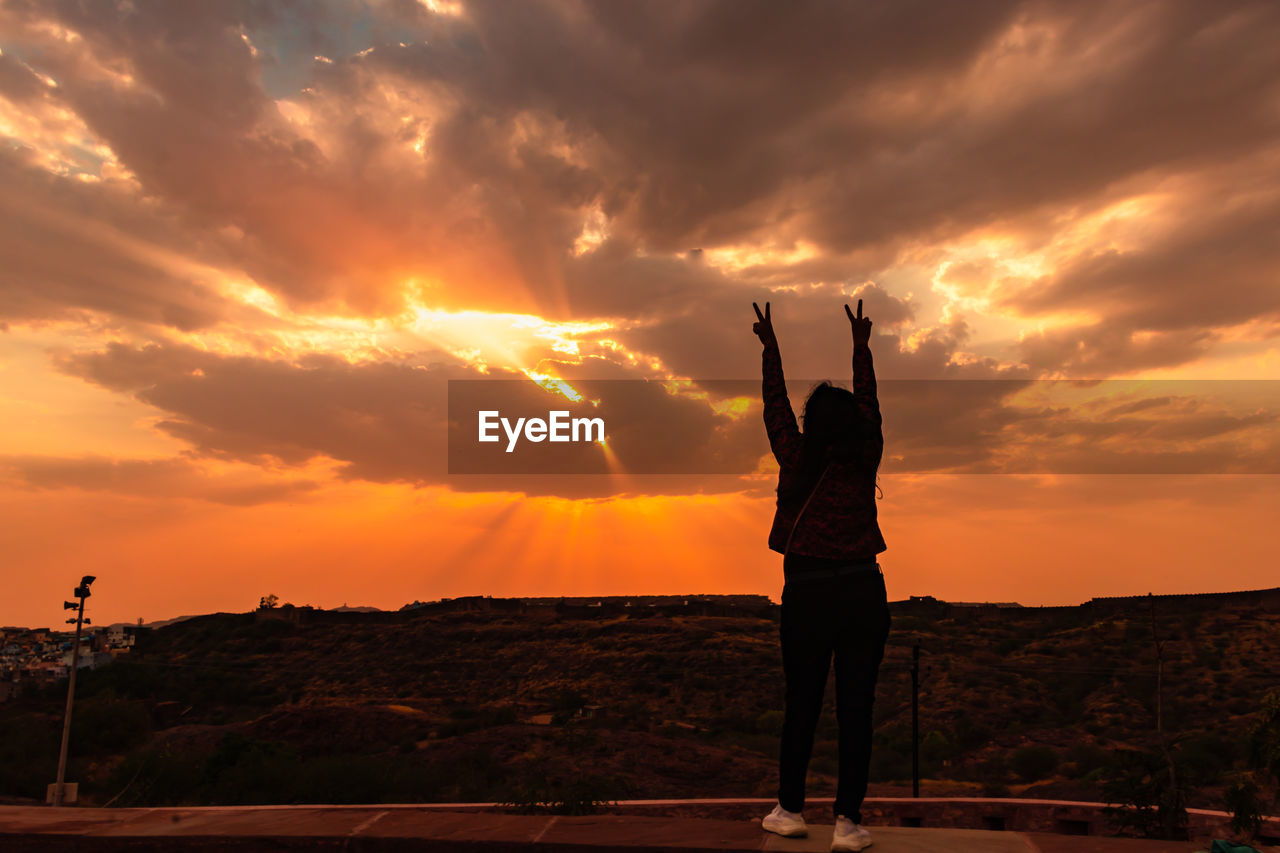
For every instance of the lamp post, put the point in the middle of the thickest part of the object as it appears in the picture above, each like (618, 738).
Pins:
(81, 593)
(915, 720)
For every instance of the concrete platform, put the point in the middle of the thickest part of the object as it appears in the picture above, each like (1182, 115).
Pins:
(406, 827)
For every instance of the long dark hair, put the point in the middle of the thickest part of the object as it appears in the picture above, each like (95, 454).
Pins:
(833, 429)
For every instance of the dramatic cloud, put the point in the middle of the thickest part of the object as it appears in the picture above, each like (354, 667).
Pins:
(485, 159)
(265, 235)
(393, 423)
(157, 479)
(388, 423)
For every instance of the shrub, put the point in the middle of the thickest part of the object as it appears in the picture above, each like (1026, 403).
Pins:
(889, 764)
(1085, 758)
(993, 771)
(28, 753)
(104, 724)
(970, 735)
(1246, 808)
(936, 748)
(1138, 786)
(770, 723)
(1206, 758)
(1033, 763)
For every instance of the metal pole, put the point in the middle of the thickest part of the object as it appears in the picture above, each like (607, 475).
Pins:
(66, 720)
(915, 720)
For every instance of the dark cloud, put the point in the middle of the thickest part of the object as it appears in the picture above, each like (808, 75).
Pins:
(388, 422)
(18, 82)
(68, 246)
(867, 131)
(717, 154)
(383, 419)
(1163, 303)
(152, 478)
(393, 422)
(196, 128)
(1215, 271)
(697, 320)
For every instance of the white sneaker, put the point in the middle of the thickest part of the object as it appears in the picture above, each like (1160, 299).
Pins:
(785, 823)
(849, 836)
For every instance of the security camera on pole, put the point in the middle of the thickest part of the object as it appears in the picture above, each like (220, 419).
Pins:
(56, 792)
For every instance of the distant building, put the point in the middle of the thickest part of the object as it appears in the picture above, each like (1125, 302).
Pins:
(53, 671)
(86, 659)
(120, 636)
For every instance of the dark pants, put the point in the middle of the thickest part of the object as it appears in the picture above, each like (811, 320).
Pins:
(846, 617)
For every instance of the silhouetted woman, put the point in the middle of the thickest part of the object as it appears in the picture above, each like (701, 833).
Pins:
(833, 597)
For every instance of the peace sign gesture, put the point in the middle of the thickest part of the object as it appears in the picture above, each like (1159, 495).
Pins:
(861, 325)
(763, 327)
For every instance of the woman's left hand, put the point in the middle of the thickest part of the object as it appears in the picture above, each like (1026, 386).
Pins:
(861, 325)
(763, 327)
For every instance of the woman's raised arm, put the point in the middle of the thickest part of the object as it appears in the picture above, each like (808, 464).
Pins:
(864, 373)
(779, 419)
(864, 387)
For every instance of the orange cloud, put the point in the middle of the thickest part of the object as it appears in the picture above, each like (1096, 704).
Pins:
(245, 247)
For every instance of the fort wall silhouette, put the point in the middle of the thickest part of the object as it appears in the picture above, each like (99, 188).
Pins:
(760, 606)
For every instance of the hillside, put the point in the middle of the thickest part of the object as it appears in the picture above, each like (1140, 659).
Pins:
(514, 702)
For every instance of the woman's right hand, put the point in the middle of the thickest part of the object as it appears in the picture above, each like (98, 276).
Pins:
(860, 325)
(763, 327)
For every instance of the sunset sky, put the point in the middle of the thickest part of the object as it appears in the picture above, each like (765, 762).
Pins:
(245, 245)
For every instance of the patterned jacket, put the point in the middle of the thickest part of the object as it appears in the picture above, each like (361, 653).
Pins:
(840, 519)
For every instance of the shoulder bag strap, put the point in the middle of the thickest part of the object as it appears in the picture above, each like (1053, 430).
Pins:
(814, 491)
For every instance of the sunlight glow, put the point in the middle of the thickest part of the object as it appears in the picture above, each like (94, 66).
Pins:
(492, 334)
(736, 258)
(554, 385)
(595, 230)
(451, 8)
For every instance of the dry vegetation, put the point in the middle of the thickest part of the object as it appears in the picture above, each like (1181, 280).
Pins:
(432, 706)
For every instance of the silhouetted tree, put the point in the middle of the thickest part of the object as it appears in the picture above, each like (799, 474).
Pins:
(1173, 811)
(1254, 793)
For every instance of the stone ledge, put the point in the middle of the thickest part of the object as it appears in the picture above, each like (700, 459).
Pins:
(25, 829)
